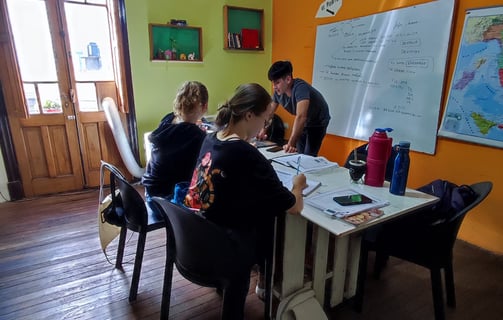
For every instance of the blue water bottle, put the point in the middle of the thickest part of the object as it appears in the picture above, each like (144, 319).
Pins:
(400, 169)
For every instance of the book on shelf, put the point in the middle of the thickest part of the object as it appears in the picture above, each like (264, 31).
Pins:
(287, 180)
(250, 38)
(237, 40)
(234, 40)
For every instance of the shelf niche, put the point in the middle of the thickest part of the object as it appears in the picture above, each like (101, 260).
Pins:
(243, 28)
(187, 41)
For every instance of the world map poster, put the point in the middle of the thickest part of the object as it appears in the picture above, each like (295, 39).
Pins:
(474, 110)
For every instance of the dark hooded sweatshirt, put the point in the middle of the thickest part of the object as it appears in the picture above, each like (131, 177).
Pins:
(175, 148)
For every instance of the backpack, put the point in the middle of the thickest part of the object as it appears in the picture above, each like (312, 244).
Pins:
(276, 131)
(453, 198)
(361, 154)
(111, 208)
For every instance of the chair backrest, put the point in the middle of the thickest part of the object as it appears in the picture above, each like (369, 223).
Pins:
(201, 250)
(135, 211)
(120, 137)
(447, 231)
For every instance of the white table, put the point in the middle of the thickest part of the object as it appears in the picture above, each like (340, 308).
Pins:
(347, 238)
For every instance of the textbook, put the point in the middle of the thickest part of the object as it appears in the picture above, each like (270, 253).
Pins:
(305, 163)
(262, 143)
(287, 180)
(326, 203)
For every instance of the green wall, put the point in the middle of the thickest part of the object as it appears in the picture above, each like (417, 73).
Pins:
(155, 82)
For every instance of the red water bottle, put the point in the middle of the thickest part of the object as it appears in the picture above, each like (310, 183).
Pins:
(377, 157)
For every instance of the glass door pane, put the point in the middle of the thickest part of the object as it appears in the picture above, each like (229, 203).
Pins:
(32, 39)
(91, 50)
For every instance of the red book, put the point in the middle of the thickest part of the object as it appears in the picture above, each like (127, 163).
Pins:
(250, 39)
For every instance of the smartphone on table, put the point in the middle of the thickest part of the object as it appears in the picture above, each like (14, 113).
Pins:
(352, 199)
(274, 149)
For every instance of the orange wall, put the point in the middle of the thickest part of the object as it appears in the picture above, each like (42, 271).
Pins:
(294, 34)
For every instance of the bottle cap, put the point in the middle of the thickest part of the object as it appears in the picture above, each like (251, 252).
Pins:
(384, 129)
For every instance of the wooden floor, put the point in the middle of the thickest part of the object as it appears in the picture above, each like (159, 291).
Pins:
(52, 267)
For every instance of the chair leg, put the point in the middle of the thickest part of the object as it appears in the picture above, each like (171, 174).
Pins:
(268, 290)
(362, 274)
(381, 259)
(166, 289)
(436, 287)
(120, 248)
(449, 286)
(269, 273)
(137, 265)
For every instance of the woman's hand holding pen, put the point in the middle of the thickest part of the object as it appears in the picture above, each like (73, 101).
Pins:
(262, 135)
(299, 182)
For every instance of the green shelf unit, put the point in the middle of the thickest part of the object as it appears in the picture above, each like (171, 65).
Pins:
(235, 20)
(187, 40)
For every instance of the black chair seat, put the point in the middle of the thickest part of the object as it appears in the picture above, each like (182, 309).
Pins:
(426, 244)
(140, 217)
(204, 254)
(154, 220)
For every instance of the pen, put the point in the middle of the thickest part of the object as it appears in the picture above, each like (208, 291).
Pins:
(298, 165)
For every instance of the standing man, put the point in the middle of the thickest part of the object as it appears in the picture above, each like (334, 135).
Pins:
(305, 102)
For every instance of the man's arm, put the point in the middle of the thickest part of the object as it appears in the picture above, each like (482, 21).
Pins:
(298, 126)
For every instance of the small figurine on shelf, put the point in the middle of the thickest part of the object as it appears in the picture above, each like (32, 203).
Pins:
(173, 49)
(192, 56)
(167, 54)
(175, 22)
(183, 56)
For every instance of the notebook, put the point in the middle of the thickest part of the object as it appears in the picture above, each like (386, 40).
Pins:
(325, 202)
(287, 180)
(305, 163)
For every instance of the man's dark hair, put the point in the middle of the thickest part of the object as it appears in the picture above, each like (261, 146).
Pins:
(280, 69)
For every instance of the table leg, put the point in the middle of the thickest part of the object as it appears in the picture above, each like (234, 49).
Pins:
(293, 255)
(339, 272)
(353, 264)
(320, 264)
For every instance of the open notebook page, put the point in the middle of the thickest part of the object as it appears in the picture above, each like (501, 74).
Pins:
(287, 180)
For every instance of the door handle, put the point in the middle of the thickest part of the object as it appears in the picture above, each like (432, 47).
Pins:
(72, 95)
(71, 117)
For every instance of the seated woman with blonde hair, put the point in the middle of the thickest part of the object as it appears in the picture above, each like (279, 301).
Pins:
(176, 142)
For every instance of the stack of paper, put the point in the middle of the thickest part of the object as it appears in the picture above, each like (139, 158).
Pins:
(287, 180)
(325, 202)
(305, 163)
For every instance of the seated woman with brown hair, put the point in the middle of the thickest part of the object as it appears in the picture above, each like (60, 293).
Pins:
(236, 187)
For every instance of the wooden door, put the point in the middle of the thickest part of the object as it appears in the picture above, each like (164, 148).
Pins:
(59, 65)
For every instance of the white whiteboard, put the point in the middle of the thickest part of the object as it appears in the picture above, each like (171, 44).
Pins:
(386, 70)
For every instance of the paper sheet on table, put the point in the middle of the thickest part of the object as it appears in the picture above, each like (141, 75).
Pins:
(287, 180)
(305, 163)
(325, 202)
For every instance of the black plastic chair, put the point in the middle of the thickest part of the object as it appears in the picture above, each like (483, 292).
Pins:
(139, 217)
(429, 245)
(203, 254)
